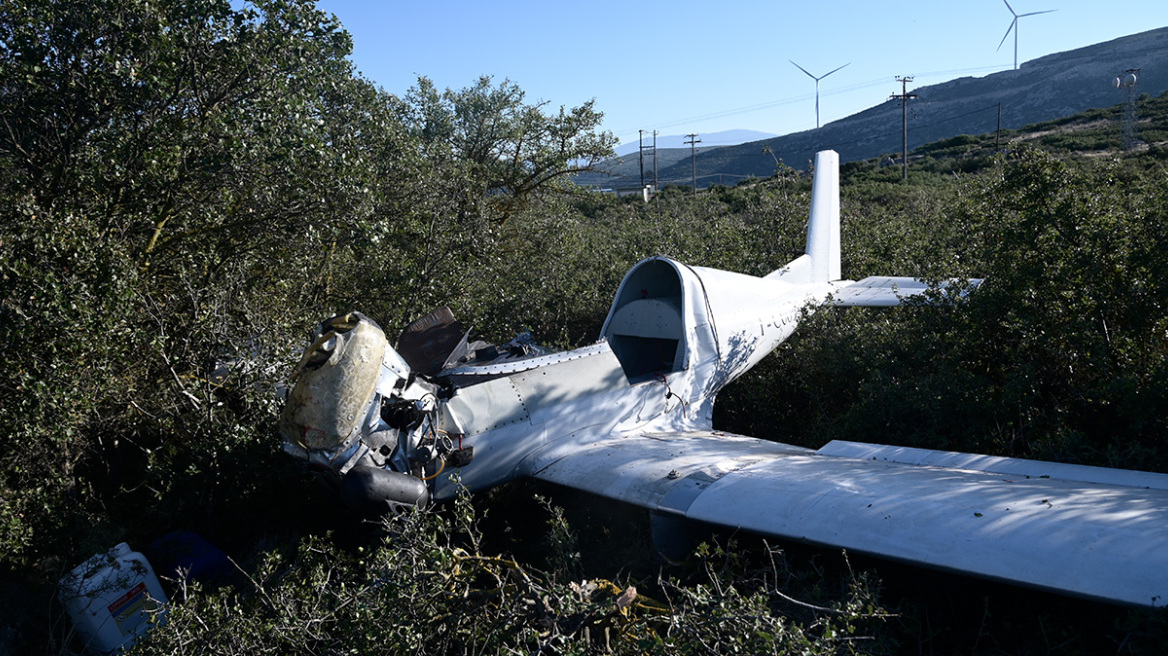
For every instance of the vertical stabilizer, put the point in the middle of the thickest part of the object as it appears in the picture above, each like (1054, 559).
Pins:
(823, 233)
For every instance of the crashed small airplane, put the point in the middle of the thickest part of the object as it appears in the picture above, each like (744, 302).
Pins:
(630, 418)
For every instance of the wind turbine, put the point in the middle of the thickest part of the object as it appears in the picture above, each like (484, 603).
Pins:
(817, 79)
(1014, 27)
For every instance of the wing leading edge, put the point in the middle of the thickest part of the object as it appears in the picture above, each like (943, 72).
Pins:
(887, 291)
(1049, 526)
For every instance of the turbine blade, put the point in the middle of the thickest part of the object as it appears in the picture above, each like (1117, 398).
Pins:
(1007, 34)
(1011, 9)
(1035, 13)
(845, 65)
(804, 70)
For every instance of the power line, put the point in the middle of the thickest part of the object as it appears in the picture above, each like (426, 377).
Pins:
(954, 118)
(838, 145)
(760, 106)
(746, 109)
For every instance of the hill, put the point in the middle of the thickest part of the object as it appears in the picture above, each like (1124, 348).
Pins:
(671, 149)
(625, 171)
(171, 233)
(679, 141)
(1043, 89)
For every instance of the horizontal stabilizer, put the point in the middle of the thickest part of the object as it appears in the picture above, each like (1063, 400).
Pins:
(886, 291)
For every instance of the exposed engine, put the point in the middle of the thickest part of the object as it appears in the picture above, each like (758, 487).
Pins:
(374, 422)
(361, 418)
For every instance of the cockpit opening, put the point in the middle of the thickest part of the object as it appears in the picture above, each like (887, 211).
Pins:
(645, 327)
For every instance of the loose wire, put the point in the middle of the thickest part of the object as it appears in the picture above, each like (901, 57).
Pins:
(440, 470)
(669, 393)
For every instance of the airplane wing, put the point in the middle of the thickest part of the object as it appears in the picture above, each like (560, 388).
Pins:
(1085, 531)
(886, 291)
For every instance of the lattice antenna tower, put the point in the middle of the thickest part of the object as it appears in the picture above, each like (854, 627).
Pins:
(1127, 83)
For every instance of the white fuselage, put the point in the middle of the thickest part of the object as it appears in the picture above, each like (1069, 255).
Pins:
(700, 329)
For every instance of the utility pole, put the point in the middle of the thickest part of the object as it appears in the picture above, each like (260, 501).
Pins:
(693, 162)
(904, 98)
(998, 134)
(653, 151)
(641, 154)
(655, 187)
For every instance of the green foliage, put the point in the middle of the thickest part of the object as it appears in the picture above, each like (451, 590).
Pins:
(1059, 355)
(1079, 307)
(505, 146)
(425, 587)
(140, 150)
(186, 187)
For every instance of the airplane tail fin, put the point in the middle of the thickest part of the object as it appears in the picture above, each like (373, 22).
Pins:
(821, 259)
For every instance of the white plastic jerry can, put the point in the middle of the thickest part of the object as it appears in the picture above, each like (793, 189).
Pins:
(110, 598)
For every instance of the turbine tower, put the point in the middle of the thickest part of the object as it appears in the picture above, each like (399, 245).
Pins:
(1014, 27)
(817, 79)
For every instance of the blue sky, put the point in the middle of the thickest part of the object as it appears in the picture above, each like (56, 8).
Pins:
(680, 67)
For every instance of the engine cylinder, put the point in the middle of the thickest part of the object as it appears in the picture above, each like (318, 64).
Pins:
(375, 491)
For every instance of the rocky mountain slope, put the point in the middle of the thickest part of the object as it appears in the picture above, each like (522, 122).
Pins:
(1043, 89)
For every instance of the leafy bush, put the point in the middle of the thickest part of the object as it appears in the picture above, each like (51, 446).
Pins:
(426, 587)
(186, 188)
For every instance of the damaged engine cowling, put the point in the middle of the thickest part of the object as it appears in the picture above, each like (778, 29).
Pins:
(335, 381)
(359, 415)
